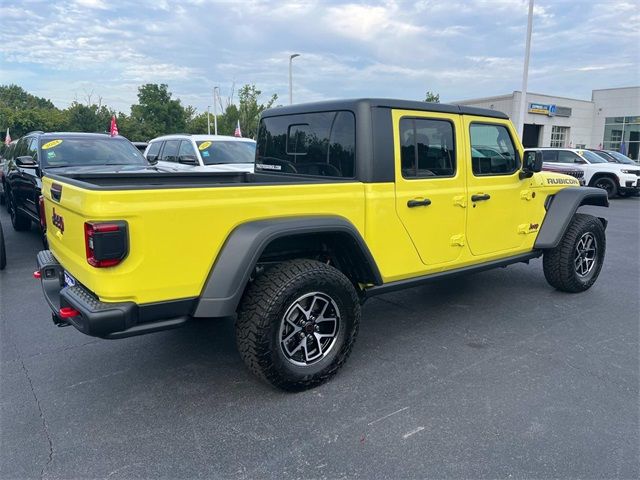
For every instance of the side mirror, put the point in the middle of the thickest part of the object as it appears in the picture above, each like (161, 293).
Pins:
(531, 164)
(26, 161)
(153, 159)
(188, 160)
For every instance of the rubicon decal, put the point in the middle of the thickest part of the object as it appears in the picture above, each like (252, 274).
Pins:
(57, 220)
(562, 181)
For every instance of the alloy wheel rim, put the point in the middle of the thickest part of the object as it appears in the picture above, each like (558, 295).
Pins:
(585, 254)
(309, 329)
(606, 186)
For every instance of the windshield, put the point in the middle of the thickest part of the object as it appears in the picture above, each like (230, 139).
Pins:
(604, 155)
(621, 158)
(592, 157)
(217, 152)
(64, 152)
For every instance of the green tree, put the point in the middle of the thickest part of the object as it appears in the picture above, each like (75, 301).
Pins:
(22, 112)
(432, 97)
(249, 109)
(155, 114)
(13, 96)
(88, 118)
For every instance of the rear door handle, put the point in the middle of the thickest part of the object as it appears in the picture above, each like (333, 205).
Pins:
(480, 197)
(418, 203)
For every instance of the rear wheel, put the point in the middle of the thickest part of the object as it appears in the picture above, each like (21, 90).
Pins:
(297, 324)
(574, 265)
(608, 184)
(18, 220)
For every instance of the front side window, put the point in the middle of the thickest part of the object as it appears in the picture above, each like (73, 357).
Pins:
(153, 151)
(426, 148)
(220, 152)
(187, 152)
(492, 150)
(566, 156)
(319, 144)
(170, 151)
(32, 149)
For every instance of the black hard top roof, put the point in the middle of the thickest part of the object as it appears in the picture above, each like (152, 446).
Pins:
(355, 104)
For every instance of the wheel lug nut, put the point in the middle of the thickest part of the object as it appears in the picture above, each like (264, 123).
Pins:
(316, 328)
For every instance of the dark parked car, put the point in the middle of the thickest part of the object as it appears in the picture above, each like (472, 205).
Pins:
(3, 252)
(37, 153)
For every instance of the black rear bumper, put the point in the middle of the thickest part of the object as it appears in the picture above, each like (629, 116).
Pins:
(101, 319)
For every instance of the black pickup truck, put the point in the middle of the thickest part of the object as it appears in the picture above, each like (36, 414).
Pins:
(27, 161)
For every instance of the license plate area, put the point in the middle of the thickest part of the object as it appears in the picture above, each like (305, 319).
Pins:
(69, 281)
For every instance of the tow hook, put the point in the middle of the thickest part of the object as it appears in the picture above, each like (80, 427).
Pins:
(59, 322)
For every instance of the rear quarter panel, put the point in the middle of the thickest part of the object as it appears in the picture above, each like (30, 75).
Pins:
(176, 234)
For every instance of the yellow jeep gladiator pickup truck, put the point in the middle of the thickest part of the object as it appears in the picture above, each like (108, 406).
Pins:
(349, 199)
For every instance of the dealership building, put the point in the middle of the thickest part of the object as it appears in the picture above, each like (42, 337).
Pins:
(610, 120)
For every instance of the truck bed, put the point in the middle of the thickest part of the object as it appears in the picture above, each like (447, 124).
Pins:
(146, 181)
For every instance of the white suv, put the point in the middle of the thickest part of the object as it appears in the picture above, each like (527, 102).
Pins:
(204, 153)
(615, 178)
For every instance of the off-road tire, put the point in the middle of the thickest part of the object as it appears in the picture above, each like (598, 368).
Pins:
(607, 184)
(19, 222)
(263, 308)
(559, 262)
(3, 252)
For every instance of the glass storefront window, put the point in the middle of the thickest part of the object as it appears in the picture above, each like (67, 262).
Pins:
(622, 134)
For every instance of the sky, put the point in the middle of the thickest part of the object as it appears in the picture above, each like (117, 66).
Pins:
(68, 50)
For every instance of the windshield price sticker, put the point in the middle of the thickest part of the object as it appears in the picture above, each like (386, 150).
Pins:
(204, 146)
(51, 144)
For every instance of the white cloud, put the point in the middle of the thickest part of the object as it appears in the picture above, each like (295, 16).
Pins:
(459, 48)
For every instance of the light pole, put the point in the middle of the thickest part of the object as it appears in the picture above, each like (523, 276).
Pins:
(525, 73)
(291, 57)
(208, 120)
(215, 111)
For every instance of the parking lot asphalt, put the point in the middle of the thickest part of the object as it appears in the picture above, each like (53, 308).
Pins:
(495, 375)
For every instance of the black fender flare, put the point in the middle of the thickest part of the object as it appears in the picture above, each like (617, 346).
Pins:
(561, 209)
(239, 255)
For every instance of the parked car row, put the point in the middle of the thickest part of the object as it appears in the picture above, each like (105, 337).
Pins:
(29, 158)
(620, 177)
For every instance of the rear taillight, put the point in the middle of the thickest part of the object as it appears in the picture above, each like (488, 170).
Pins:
(43, 215)
(106, 243)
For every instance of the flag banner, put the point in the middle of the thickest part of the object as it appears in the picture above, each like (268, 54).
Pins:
(238, 132)
(113, 130)
(7, 138)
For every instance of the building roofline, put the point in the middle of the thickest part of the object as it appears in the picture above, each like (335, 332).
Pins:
(484, 99)
(499, 97)
(614, 88)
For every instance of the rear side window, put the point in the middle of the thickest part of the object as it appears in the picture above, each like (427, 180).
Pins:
(154, 151)
(427, 148)
(170, 151)
(321, 144)
(492, 150)
(549, 156)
